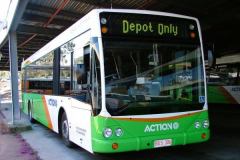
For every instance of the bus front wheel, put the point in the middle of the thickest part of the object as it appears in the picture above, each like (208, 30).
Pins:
(65, 131)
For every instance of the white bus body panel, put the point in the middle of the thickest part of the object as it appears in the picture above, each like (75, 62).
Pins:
(78, 115)
(80, 124)
(53, 108)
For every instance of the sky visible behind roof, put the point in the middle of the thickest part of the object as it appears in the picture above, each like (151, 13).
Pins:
(4, 9)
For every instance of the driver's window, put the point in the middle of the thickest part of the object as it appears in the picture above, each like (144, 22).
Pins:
(81, 67)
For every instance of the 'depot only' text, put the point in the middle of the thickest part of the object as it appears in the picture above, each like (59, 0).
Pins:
(160, 29)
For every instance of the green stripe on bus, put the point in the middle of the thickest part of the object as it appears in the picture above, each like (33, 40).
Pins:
(39, 112)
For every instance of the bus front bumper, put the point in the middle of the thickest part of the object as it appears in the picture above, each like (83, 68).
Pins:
(142, 143)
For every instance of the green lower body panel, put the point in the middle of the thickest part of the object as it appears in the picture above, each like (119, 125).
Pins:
(223, 94)
(38, 107)
(140, 133)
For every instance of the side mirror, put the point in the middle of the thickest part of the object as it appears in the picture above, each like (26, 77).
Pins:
(211, 57)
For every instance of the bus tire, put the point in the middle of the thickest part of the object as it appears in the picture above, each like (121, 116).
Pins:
(30, 117)
(65, 130)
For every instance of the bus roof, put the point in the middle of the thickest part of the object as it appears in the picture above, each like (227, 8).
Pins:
(78, 28)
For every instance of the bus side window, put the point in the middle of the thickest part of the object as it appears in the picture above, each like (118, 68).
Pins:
(65, 68)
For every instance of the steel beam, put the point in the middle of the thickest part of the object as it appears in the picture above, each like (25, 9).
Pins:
(22, 50)
(26, 34)
(43, 19)
(49, 10)
(18, 16)
(102, 3)
(14, 76)
(4, 59)
(4, 68)
(38, 30)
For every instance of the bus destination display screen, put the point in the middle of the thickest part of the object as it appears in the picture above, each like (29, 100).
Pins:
(148, 26)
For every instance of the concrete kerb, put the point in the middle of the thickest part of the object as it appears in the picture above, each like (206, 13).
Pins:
(18, 126)
(6, 115)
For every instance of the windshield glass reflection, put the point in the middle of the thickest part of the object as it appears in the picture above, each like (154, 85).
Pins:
(152, 78)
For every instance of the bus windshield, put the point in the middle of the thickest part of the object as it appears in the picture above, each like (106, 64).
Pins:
(147, 77)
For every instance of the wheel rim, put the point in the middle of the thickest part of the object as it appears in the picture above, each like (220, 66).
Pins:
(65, 129)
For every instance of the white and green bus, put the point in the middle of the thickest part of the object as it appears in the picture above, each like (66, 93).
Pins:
(121, 80)
(223, 81)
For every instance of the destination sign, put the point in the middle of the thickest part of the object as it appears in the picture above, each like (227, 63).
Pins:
(142, 25)
(161, 29)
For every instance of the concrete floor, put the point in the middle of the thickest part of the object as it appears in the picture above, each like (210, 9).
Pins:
(13, 146)
(223, 145)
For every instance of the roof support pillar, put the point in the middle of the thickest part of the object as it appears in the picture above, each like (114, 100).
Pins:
(13, 59)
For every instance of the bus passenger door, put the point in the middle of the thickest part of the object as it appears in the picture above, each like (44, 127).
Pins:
(80, 118)
(81, 110)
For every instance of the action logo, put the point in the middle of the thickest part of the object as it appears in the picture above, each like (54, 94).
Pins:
(161, 127)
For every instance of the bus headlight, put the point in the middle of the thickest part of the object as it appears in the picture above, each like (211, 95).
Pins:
(118, 132)
(191, 27)
(107, 132)
(197, 125)
(205, 124)
(103, 21)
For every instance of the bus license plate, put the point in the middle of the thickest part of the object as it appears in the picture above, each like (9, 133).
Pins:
(162, 143)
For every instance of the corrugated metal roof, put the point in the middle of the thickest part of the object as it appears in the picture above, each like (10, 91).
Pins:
(38, 12)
